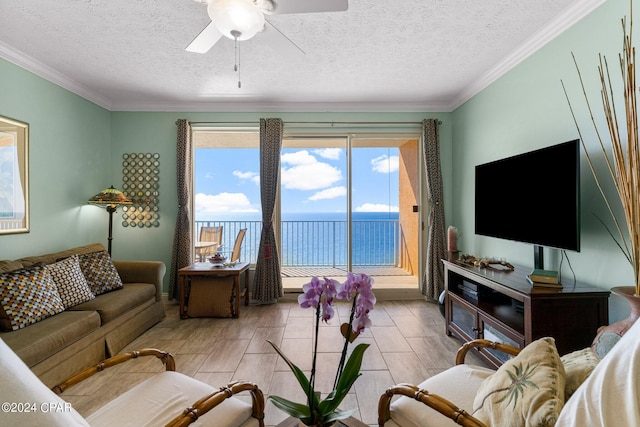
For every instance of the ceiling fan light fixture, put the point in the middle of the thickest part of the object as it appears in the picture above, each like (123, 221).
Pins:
(233, 17)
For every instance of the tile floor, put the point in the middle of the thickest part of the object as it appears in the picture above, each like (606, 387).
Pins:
(407, 344)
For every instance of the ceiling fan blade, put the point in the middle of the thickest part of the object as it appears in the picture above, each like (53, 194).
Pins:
(282, 44)
(205, 40)
(308, 6)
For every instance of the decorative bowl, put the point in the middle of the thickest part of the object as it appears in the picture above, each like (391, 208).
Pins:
(217, 259)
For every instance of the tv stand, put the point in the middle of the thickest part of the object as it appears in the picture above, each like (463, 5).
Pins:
(503, 306)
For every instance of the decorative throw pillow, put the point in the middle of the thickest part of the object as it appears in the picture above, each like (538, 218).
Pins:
(27, 296)
(527, 390)
(71, 283)
(578, 365)
(100, 272)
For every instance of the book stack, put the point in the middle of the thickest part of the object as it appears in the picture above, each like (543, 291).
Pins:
(544, 278)
(469, 290)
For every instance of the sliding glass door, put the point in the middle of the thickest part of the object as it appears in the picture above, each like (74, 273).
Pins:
(313, 206)
(346, 203)
(349, 203)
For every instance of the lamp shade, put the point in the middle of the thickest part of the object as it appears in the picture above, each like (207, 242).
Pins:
(110, 197)
(236, 18)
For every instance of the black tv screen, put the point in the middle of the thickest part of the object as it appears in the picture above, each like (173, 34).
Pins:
(532, 197)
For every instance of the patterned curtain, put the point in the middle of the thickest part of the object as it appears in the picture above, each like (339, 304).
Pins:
(182, 244)
(433, 281)
(267, 280)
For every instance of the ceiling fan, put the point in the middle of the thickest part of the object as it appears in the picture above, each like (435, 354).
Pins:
(242, 19)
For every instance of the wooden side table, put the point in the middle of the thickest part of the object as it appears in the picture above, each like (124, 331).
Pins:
(208, 269)
(348, 422)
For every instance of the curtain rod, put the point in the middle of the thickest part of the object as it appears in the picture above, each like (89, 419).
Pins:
(315, 123)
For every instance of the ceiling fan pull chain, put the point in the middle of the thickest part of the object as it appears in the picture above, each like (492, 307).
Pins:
(236, 67)
(239, 84)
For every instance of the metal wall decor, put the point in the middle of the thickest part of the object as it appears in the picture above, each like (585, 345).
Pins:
(140, 182)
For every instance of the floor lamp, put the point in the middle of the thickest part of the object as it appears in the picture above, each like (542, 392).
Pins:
(110, 199)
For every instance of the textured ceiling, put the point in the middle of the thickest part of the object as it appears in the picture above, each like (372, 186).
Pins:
(389, 55)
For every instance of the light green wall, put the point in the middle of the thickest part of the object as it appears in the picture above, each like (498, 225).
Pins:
(526, 109)
(70, 144)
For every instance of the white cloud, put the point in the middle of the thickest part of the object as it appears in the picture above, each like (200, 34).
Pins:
(223, 202)
(385, 164)
(244, 175)
(248, 176)
(376, 207)
(301, 157)
(307, 173)
(310, 176)
(330, 193)
(329, 153)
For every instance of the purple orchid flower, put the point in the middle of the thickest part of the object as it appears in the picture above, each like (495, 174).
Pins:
(319, 292)
(311, 294)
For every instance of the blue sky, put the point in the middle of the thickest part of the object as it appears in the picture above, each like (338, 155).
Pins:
(313, 180)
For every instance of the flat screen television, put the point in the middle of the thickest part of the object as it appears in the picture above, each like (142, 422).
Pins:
(532, 197)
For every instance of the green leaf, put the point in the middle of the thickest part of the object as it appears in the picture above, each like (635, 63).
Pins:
(296, 410)
(349, 375)
(340, 415)
(300, 376)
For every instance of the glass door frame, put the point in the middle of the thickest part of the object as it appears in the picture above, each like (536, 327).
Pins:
(322, 133)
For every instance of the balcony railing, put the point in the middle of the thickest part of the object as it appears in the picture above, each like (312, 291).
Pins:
(318, 243)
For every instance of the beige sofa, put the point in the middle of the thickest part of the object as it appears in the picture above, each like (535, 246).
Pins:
(85, 334)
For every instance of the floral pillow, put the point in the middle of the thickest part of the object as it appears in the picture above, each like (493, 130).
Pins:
(578, 365)
(26, 297)
(100, 272)
(70, 281)
(528, 390)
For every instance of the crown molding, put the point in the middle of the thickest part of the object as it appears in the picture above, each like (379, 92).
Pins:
(561, 23)
(280, 106)
(38, 68)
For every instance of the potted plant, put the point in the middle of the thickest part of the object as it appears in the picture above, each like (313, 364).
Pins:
(320, 295)
(622, 161)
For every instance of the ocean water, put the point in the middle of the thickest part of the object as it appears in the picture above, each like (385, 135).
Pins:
(319, 239)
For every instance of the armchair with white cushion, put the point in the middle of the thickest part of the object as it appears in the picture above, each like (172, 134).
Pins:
(535, 387)
(168, 398)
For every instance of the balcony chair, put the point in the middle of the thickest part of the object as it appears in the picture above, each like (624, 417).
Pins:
(167, 398)
(208, 235)
(237, 246)
(534, 387)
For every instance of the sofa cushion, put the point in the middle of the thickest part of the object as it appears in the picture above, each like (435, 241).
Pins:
(526, 390)
(57, 256)
(113, 304)
(161, 398)
(47, 337)
(578, 365)
(38, 406)
(10, 265)
(27, 296)
(71, 284)
(457, 384)
(100, 272)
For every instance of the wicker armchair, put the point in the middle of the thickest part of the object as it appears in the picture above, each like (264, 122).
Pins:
(604, 394)
(166, 398)
(407, 413)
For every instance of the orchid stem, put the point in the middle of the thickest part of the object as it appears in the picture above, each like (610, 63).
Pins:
(312, 381)
(346, 342)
